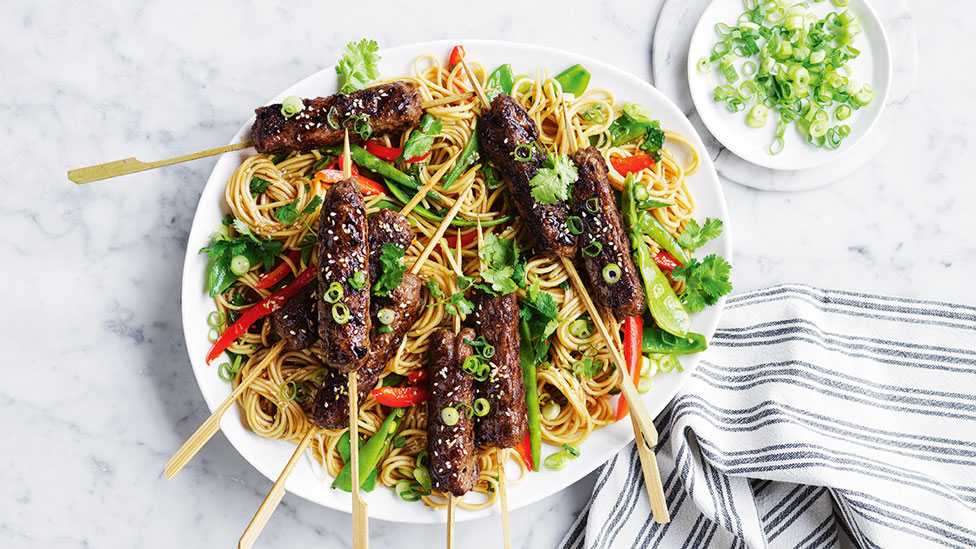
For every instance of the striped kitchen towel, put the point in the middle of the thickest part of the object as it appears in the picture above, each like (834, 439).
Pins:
(817, 418)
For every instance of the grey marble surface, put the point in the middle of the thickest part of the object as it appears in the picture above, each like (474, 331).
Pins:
(98, 389)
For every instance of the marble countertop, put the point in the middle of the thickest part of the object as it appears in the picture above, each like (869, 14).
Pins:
(99, 391)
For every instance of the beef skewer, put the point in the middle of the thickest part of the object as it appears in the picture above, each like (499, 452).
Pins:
(601, 223)
(279, 134)
(341, 257)
(501, 126)
(309, 322)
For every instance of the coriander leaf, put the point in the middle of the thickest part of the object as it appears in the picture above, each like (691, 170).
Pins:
(259, 185)
(501, 257)
(418, 144)
(653, 141)
(552, 184)
(705, 281)
(312, 205)
(222, 250)
(392, 269)
(464, 306)
(242, 228)
(541, 315)
(695, 236)
(288, 213)
(357, 67)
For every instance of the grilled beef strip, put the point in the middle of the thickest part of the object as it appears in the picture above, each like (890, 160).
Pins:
(343, 251)
(504, 128)
(386, 226)
(390, 107)
(450, 448)
(297, 320)
(594, 203)
(331, 410)
(496, 318)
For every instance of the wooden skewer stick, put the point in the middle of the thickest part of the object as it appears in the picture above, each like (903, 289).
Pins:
(477, 85)
(212, 425)
(451, 505)
(652, 475)
(441, 229)
(500, 454)
(429, 185)
(133, 165)
(360, 515)
(277, 492)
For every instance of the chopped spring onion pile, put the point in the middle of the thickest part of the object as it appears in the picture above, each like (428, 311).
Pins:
(793, 63)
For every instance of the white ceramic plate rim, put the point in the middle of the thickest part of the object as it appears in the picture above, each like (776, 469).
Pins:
(752, 145)
(270, 456)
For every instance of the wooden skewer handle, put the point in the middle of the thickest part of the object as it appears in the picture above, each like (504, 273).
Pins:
(133, 165)
(212, 425)
(652, 477)
(274, 496)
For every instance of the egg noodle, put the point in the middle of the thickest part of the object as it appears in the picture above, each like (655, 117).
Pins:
(584, 404)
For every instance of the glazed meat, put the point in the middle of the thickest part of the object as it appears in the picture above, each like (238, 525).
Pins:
(390, 107)
(505, 127)
(594, 203)
(496, 318)
(386, 226)
(297, 320)
(343, 251)
(453, 460)
(331, 410)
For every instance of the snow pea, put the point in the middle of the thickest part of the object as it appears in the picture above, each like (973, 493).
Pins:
(574, 80)
(371, 452)
(500, 81)
(469, 155)
(531, 394)
(656, 340)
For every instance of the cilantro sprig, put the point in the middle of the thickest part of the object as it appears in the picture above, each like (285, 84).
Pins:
(392, 269)
(454, 304)
(358, 66)
(705, 281)
(540, 311)
(504, 270)
(552, 183)
(695, 236)
(223, 248)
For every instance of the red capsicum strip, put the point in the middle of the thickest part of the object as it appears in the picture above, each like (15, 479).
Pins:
(390, 154)
(417, 375)
(631, 164)
(666, 261)
(267, 306)
(456, 55)
(525, 450)
(369, 187)
(633, 334)
(275, 275)
(399, 397)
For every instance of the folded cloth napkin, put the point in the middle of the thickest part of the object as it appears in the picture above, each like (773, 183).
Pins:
(817, 418)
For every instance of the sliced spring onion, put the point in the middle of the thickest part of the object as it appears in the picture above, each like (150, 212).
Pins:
(213, 335)
(572, 452)
(334, 293)
(611, 273)
(643, 385)
(386, 316)
(488, 351)
(593, 249)
(523, 152)
(288, 390)
(239, 265)
(842, 112)
(340, 313)
(422, 474)
(704, 65)
(402, 489)
(551, 410)
(575, 224)
(450, 416)
(358, 280)
(556, 461)
(385, 329)
(216, 319)
(291, 106)
(757, 116)
(481, 407)
(470, 365)
(592, 205)
(580, 328)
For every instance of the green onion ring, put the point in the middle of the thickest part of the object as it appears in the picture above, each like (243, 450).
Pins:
(611, 273)
(575, 224)
(481, 407)
(556, 461)
(593, 249)
(334, 293)
(450, 416)
(340, 313)
(216, 319)
(358, 280)
(386, 316)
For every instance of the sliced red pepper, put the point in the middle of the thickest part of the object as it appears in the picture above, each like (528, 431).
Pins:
(390, 154)
(275, 275)
(267, 306)
(633, 334)
(370, 187)
(631, 164)
(525, 450)
(456, 54)
(400, 397)
(666, 261)
(417, 375)
(418, 158)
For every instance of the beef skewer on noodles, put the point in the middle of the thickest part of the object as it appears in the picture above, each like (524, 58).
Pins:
(506, 119)
(612, 273)
(389, 107)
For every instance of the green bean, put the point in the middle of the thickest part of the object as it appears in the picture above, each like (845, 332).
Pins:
(469, 155)
(656, 340)
(531, 395)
